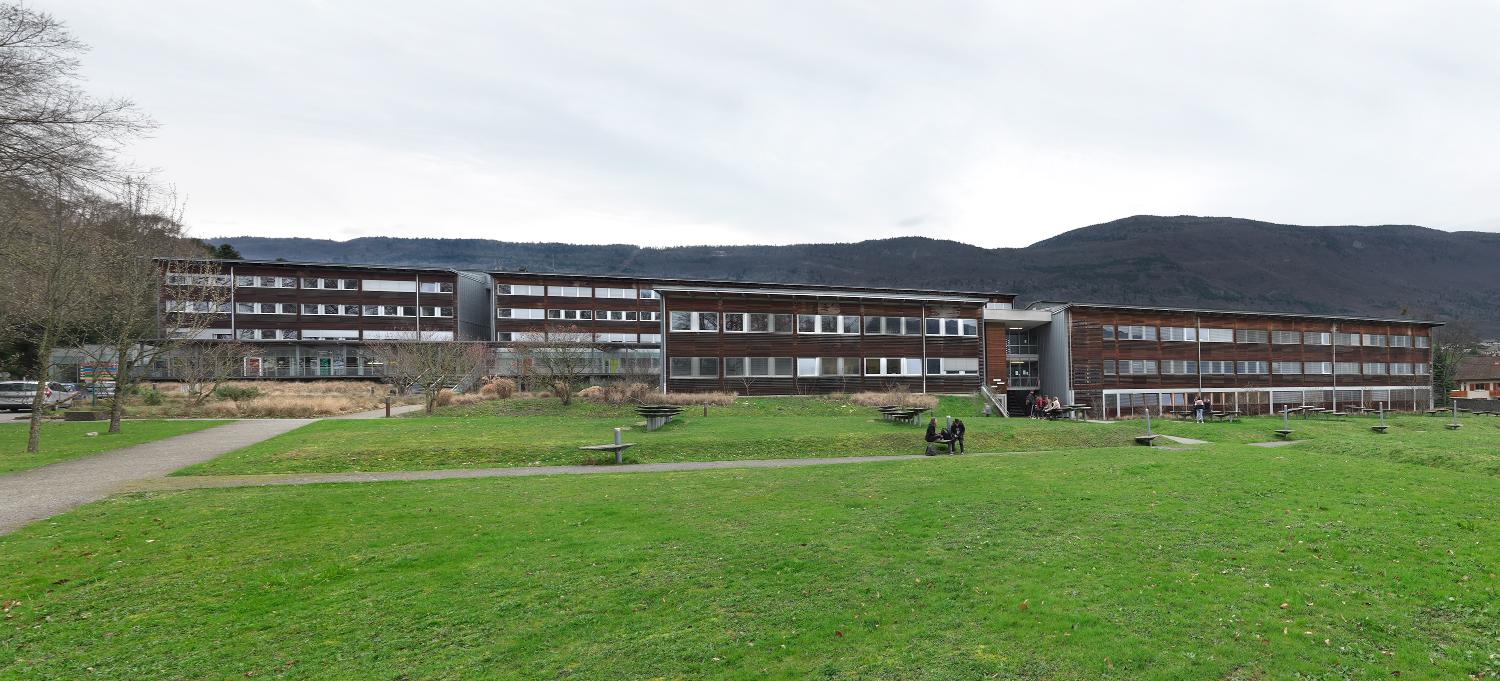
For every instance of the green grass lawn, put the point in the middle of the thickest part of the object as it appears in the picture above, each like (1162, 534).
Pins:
(767, 428)
(1223, 562)
(62, 441)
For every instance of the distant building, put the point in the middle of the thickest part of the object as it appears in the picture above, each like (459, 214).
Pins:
(1478, 378)
(314, 319)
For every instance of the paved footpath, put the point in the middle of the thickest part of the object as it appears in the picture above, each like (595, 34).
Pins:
(44, 492)
(202, 481)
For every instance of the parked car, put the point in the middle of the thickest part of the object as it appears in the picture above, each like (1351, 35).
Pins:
(17, 395)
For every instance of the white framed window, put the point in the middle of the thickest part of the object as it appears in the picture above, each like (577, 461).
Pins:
(650, 338)
(1286, 367)
(758, 322)
(436, 311)
(1317, 368)
(1179, 333)
(179, 279)
(893, 366)
(391, 285)
(1135, 333)
(602, 292)
(243, 281)
(1286, 338)
(571, 315)
(827, 366)
(436, 287)
(952, 366)
(693, 367)
(1177, 367)
(519, 290)
(1216, 335)
(195, 306)
(1421, 341)
(1422, 369)
(267, 334)
(615, 315)
(570, 291)
(1252, 336)
(893, 326)
(648, 294)
(1108, 331)
(520, 313)
(1252, 367)
(1137, 367)
(615, 337)
(330, 283)
(694, 321)
(952, 327)
(330, 309)
(330, 334)
(1317, 338)
(827, 323)
(267, 308)
(1399, 341)
(1376, 369)
(1346, 339)
(758, 367)
(649, 316)
(390, 310)
(1346, 368)
(1216, 367)
(1373, 340)
(1401, 369)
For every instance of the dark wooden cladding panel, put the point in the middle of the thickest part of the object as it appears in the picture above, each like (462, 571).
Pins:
(995, 363)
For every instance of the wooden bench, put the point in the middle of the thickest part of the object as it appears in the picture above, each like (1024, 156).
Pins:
(1146, 439)
(1453, 426)
(616, 448)
(1283, 433)
(1379, 429)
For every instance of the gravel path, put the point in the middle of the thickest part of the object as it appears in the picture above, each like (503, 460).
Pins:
(380, 413)
(202, 481)
(43, 492)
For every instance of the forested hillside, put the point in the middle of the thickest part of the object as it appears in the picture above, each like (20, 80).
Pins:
(1393, 270)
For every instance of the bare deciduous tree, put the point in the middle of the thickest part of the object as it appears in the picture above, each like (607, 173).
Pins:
(204, 366)
(125, 322)
(428, 366)
(561, 358)
(49, 128)
(47, 280)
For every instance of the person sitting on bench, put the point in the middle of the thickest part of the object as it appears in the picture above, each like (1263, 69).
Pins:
(937, 437)
(956, 433)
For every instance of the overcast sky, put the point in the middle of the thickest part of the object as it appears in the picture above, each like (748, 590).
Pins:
(660, 123)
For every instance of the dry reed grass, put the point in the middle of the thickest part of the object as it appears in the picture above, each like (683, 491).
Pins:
(895, 398)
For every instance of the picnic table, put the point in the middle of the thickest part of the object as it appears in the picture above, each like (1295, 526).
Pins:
(1227, 415)
(617, 447)
(899, 413)
(657, 415)
(1075, 409)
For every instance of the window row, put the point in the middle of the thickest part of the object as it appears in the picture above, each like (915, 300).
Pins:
(1191, 334)
(510, 336)
(783, 367)
(1178, 367)
(315, 283)
(574, 291)
(762, 322)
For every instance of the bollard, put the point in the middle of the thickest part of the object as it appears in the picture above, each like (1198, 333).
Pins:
(618, 458)
(948, 423)
(1148, 421)
(387, 406)
(1286, 420)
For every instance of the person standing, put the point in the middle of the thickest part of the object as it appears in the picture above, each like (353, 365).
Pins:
(1198, 409)
(956, 432)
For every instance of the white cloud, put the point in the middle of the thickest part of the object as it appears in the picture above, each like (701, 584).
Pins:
(671, 123)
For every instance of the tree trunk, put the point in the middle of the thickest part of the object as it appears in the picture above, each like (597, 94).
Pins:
(38, 399)
(117, 401)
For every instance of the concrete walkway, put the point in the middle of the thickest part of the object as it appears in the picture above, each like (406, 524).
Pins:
(44, 492)
(204, 481)
(1185, 440)
(380, 413)
(1274, 443)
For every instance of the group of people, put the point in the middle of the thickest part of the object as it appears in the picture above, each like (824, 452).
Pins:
(1040, 406)
(953, 436)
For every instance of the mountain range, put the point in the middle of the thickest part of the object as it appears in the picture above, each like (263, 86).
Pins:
(1182, 261)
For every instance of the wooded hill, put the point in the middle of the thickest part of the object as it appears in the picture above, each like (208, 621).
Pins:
(1386, 270)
